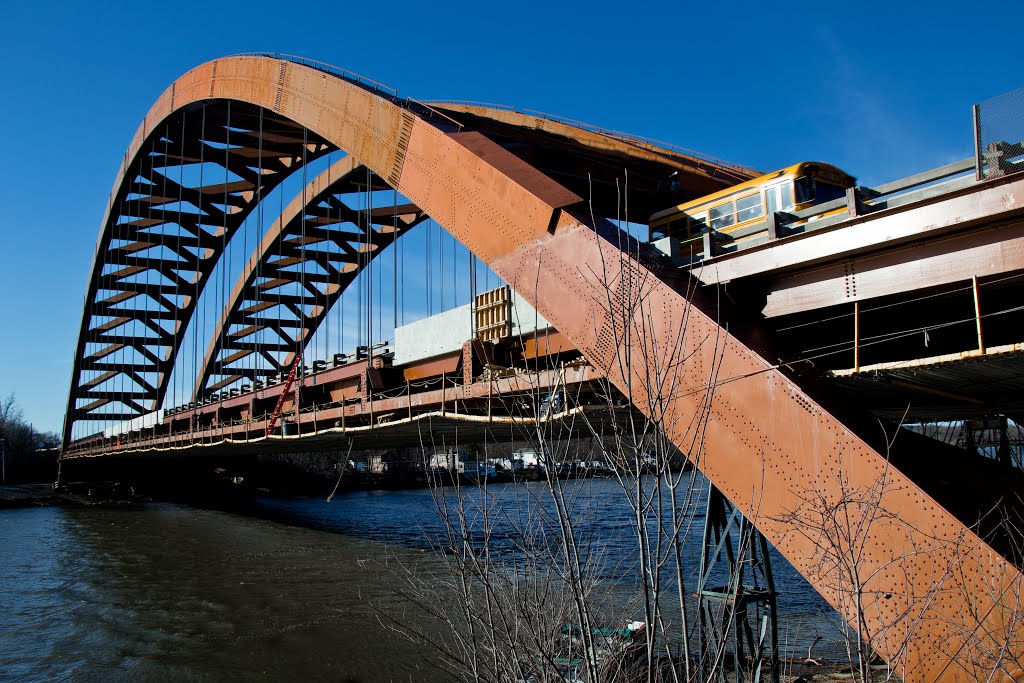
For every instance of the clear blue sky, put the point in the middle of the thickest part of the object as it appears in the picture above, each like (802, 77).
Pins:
(880, 94)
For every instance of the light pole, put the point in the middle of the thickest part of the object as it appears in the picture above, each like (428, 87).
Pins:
(3, 458)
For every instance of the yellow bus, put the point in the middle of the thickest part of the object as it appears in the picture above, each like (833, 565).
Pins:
(736, 215)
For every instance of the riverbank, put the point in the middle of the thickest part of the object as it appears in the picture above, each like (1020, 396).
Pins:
(28, 495)
(78, 495)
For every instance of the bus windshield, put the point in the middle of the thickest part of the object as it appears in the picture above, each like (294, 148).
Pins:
(810, 190)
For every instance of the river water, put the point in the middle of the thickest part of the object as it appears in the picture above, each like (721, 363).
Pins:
(286, 589)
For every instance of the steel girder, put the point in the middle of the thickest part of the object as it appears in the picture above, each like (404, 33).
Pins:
(316, 217)
(939, 602)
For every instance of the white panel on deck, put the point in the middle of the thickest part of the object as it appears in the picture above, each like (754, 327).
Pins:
(138, 423)
(447, 332)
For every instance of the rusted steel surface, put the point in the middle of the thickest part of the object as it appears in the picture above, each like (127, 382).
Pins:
(230, 424)
(939, 261)
(691, 163)
(769, 446)
(940, 602)
(545, 344)
(432, 367)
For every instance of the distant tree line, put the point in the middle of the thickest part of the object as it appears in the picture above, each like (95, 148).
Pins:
(26, 455)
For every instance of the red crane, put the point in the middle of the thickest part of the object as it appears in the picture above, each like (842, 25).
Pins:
(280, 399)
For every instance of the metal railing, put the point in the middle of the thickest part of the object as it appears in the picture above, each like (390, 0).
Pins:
(327, 68)
(375, 86)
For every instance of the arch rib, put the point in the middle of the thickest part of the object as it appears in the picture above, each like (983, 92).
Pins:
(186, 185)
(250, 304)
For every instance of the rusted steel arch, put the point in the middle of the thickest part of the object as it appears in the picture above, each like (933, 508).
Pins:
(315, 216)
(190, 178)
(936, 589)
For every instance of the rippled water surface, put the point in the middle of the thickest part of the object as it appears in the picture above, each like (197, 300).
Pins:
(174, 593)
(169, 592)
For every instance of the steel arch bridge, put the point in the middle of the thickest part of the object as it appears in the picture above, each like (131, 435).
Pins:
(532, 197)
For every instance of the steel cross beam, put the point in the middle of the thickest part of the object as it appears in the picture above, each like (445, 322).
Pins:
(937, 603)
(185, 187)
(262, 298)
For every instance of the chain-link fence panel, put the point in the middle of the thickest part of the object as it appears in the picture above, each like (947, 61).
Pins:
(999, 134)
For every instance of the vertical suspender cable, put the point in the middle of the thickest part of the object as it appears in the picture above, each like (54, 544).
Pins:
(225, 255)
(429, 274)
(368, 250)
(115, 257)
(359, 266)
(147, 296)
(117, 385)
(402, 298)
(276, 269)
(178, 296)
(243, 275)
(472, 294)
(300, 333)
(129, 330)
(379, 287)
(369, 265)
(199, 250)
(143, 258)
(330, 264)
(440, 254)
(257, 242)
(343, 274)
(341, 298)
(394, 256)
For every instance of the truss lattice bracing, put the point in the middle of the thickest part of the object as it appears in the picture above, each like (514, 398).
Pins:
(292, 279)
(193, 179)
(765, 442)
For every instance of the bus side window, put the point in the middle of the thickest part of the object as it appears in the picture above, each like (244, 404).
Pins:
(804, 186)
(698, 223)
(661, 231)
(721, 216)
(772, 199)
(780, 197)
(786, 190)
(749, 207)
